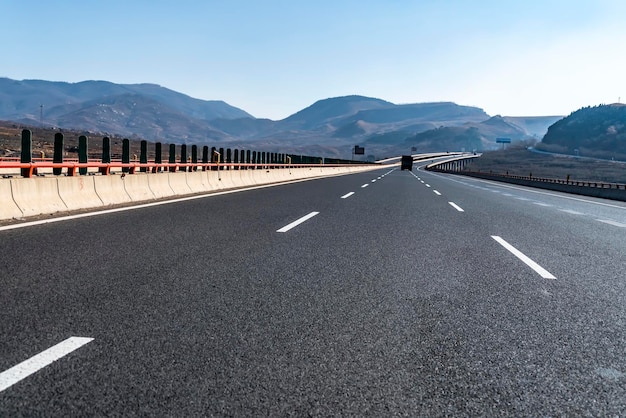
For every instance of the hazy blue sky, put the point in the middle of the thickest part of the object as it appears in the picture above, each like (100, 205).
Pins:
(273, 57)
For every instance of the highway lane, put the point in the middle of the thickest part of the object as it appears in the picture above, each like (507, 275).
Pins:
(388, 301)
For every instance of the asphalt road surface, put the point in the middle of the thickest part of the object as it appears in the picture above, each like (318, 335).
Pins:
(376, 294)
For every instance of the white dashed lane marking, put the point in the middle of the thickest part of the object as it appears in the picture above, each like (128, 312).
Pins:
(530, 263)
(45, 358)
(455, 206)
(297, 222)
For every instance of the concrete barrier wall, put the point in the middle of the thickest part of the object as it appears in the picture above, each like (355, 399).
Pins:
(78, 193)
(8, 207)
(178, 183)
(227, 179)
(111, 190)
(25, 197)
(138, 187)
(214, 180)
(160, 185)
(197, 182)
(247, 177)
(37, 196)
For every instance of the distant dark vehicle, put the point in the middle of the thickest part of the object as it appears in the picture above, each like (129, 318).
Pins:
(406, 163)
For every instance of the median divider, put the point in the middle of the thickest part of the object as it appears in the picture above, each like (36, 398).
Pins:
(196, 181)
(159, 185)
(78, 193)
(227, 179)
(110, 189)
(37, 196)
(247, 178)
(214, 180)
(8, 207)
(178, 183)
(138, 187)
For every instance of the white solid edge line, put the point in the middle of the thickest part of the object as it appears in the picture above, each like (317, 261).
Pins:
(571, 212)
(530, 263)
(347, 195)
(455, 206)
(606, 221)
(298, 222)
(436, 192)
(365, 185)
(21, 371)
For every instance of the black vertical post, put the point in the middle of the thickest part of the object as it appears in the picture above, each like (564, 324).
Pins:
(106, 154)
(229, 156)
(158, 156)
(213, 158)
(58, 152)
(172, 158)
(205, 156)
(125, 154)
(27, 151)
(221, 157)
(143, 155)
(194, 157)
(183, 156)
(82, 154)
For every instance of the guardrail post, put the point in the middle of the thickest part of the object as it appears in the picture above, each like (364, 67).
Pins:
(82, 154)
(143, 155)
(58, 153)
(183, 156)
(106, 154)
(172, 158)
(194, 157)
(125, 154)
(205, 157)
(213, 157)
(221, 152)
(27, 151)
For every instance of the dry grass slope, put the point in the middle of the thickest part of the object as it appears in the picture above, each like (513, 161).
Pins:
(518, 161)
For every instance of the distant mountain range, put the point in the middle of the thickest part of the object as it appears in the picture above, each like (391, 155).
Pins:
(330, 126)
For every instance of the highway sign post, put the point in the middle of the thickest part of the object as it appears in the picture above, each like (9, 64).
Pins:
(358, 151)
